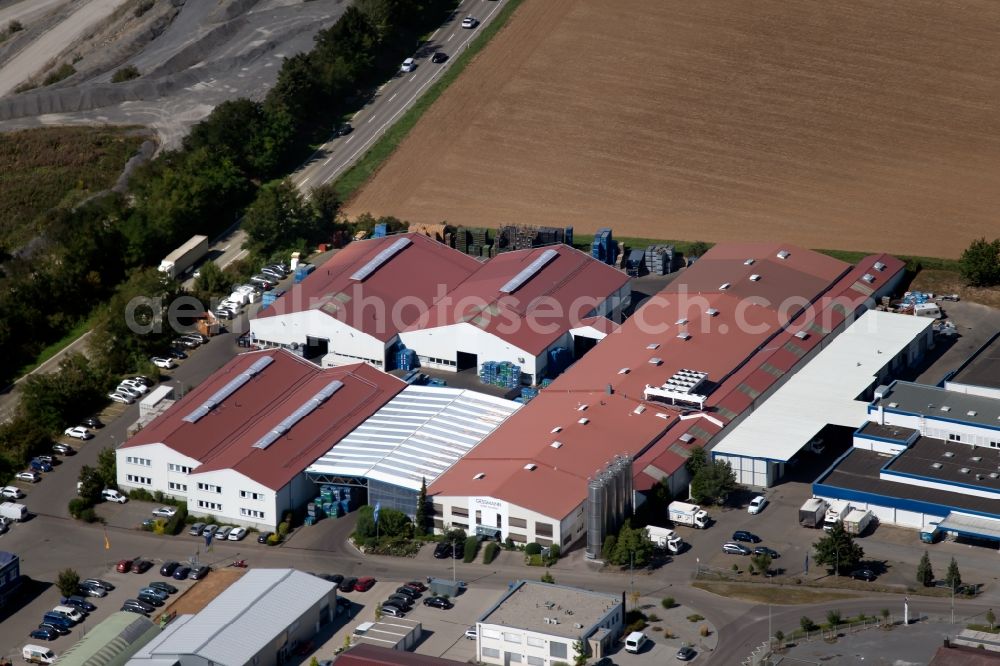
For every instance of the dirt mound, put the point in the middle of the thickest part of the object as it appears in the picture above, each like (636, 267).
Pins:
(848, 124)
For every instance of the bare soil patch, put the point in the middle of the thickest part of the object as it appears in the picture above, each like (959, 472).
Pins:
(851, 124)
(783, 595)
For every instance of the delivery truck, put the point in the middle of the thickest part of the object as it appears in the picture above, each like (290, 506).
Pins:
(835, 513)
(664, 538)
(857, 521)
(692, 515)
(14, 511)
(185, 256)
(813, 513)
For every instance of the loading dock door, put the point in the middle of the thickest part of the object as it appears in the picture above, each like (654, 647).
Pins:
(467, 361)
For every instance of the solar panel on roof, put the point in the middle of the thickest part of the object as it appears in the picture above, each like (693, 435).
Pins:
(526, 274)
(231, 387)
(380, 258)
(303, 411)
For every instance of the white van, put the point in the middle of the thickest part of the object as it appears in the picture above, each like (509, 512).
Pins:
(36, 654)
(70, 612)
(635, 641)
(112, 495)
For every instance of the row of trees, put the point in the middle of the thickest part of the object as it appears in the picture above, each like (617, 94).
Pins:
(980, 263)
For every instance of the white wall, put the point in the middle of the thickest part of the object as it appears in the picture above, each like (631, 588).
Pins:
(158, 471)
(346, 344)
(888, 515)
(754, 472)
(861, 442)
(444, 342)
(232, 502)
(972, 389)
(929, 426)
(516, 643)
(491, 508)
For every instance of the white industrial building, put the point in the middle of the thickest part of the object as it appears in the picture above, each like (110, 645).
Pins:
(453, 311)
(538, 623)
(235, 447)
(413, 439)
(260, 619)
(834, 387)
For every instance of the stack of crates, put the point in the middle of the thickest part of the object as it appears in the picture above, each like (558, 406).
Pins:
(546, 382)
(527, 393)
(381, 230)
(314, 512)
(662, 259)
(303, 270)
(604, 248)
(406, 359)
(636, 264)
(268, 298)
(462, 240)
(501, 373)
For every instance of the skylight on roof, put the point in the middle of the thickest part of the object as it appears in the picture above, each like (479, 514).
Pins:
(639, 409)
(481, 475)
(376, 262)
(681, 321)
(526, 274)
(868, 277)
(724, 286)
(231, 387)
(802, 335)
(755, 277)
(653, 345)
(531, 467)
(623, 371)
(879, 266)
(971, 412)
(749, 262)
(945, 408)
(556, 429)
(556, 445)
(581, 408)
(583, 421)
(784, 254)
(303, 411)
(656, 360)
(684, 335)
(711, 312)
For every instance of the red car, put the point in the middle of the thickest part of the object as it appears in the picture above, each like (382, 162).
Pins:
(364, 584)
(416, 585)
(124, 566)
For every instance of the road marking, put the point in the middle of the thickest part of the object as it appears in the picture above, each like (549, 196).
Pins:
(393, 97)
(227, 247)
(305, 180)
(434, 34)
(239, 255)
(449, 37)
(349, 139)
(411, 78)
(327, 161)
(370, 120)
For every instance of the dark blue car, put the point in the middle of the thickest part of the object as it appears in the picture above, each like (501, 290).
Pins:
(44, 633)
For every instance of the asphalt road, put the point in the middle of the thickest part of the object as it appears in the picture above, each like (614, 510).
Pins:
(26, 11)
(395, 96)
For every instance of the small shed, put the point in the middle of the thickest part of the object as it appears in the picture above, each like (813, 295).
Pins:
(442, 587)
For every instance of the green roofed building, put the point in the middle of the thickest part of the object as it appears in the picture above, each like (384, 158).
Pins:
(112, 642)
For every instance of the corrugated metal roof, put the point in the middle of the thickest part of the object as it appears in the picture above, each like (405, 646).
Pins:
(417, 435)
(245, 618)
(117, 637)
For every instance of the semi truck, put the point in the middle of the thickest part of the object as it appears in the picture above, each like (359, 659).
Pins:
(692, 515)
(185, 256)
(835, 513)
(858, 520)
(813, 512)
(665, 538)
(14, 511)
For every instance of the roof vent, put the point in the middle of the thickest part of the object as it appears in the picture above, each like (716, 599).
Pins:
(683, 335)
(936, 465)
(724, 286)
(653, 345)
(656, 360)
(481, 475)
(623, 371)
(687, 438)
(584, 421)
(802, 335)
(964, 470)
(556, 429)
(868, 277)
(380, 258)
(581, 408)
(556, 445)
(971, 412)
(749, 262)
(879, 266)
(711, 312)
(949, 454)
(893, 405)
(529, 272)
(784, 254)
(945, 408)
(976, 458)
(530, 467)
(681, 321)
(994, 475)
(754, 278)
(639, 409)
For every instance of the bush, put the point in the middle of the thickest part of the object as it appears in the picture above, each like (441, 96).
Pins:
(283, 529)
(67, 582)
(64, 71)
(141, 494)
(807, 624)
(77, 505)
(176, 522)
(143, 7)
(694, 617)
(508, 543)
(533, 548)
(653, 617)
(705, 632)
(273, 540)
(553, 553)
(547, 578)
(88, 515)
(471, 549)
(667, 602)
(490, 552)
(610, 543)
(125, 74)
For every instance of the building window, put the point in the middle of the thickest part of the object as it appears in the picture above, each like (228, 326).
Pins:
(536, 642)
(491, 652)
(517, 522)
(509, 637)
(489, 633)
(251, 513)
(183, 469)
(438, 524)
(208, 487)
(513, 658)
(557, 650)
(246, 494)
(209, 505)
(535, 661)
(517, 538)
(955, 438)
(438, 509)
(459, 511)
(543, 529)
(459, 523)
(543, 541)
(143, 480)
(145, 462)
(177, 486)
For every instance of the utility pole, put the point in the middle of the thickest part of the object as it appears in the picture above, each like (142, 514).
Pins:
(952, 604)
(770, 633)
(453, 576)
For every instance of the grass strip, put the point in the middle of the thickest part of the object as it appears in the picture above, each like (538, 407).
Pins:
(71, 336)
(354, 178)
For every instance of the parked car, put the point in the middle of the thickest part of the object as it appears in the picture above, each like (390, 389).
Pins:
(92, 422)
(200, 572)
(78, 432)
(143, 379)
(196, 529)
(121, 398)
(181, 572)
(237, 534)
(164, 363)
(757, 505)
(124, 566)
(58, 620)
(39, 465)
(764, 550)
(333, 578)
(150, 599)
(176, 353)
(74, 614)
(416, 585)
(344, 129)
(263, 537)
(686, 653)
(11, 492)
(408, 591)
(63, 449)
(136, 606)
(209, 529)
(159, 594)
(408, 65)
(186, 343)
(864, 574)
(135, 385)
(29, 476)
(439, 57)
(163, 586)
(129, 391)
(202, 339)
(223, 532)
(168, 568)
(97, 582)
(364, 584)
(141, 566)
(89, 591)
(735, 549)
(272, 272)
(470, 22)
(165, 511)
(79, 603)
(46, 633)
(401, 600)
(62, 631)
(392, 611)
(472, 633)
(438, 602)
(347, 585)
(442, 550)
(746, 537)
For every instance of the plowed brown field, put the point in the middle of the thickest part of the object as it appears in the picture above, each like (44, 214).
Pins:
(853, 124)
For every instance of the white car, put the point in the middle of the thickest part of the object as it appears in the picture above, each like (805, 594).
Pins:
(29, 476)
(408, 65)
(78, 432)
(121, 398)
(165, 511)
(129, 391)
(135, 385)
(165, 363)
(113, 495)
(237, 533)
(757, 504)
(470, 22)
(11, 492)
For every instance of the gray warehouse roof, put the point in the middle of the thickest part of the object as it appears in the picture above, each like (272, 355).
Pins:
(551, 609)
(417, 435)
(934, 402)
(241, 621)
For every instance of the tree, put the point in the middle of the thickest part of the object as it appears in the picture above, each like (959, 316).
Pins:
(325, 203)
(885, 616)
(779, 638)
(837, 550)
(610, 543)
(391, 523)
(807, 624)
(696, 461)
(107, 468)
(761, 562)
(378, 612)
(126, 73)
(980, 263)
(954, 577)
(925, 572)
(279, 219)
(68, 582)
(633, 547)
(420, 520)
(833, 618)
(655, 511)
(91, 484)
(211, 281)
(991, 618)
(713, 483)
(547, 578)
(579, 653)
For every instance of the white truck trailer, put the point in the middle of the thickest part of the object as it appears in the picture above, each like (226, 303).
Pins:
(836, 512)
(692, 515)
(185, 256)
(813, 512)
(665, 538)
(858, 520)
(14, 511)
